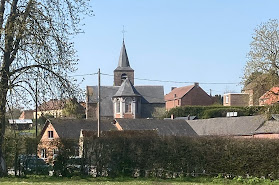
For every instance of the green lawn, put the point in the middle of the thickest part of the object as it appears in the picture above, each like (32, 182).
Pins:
(45, 180)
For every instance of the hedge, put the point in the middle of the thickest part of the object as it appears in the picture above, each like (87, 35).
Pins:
(204, 112)
(122, 153)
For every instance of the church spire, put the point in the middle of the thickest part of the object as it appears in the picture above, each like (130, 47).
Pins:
(123, 69)
(123, 58)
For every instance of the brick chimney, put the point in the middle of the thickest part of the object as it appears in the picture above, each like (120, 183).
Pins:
(172, 88)
(196, 84)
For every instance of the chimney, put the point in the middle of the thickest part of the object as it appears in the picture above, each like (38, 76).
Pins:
(172, 116)
(196, 84)
(172, 88)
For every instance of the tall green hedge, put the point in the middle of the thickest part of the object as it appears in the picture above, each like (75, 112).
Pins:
(204, 112)
(121, 153)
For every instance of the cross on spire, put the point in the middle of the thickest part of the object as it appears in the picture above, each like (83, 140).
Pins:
(123, 32)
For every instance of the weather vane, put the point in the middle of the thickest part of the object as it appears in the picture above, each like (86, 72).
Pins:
(123, 32)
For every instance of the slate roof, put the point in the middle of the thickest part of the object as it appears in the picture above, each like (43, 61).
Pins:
(150, 94)
(178, 92)
(269, 127)
(70, 128)
(126, 89)
(163, 127)
(232, 126)
(123, 63)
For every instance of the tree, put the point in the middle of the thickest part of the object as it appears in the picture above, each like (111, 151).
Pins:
(36, 52)
(261, 70)
(73, 109)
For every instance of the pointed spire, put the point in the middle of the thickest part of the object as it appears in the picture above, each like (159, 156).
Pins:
(123, 59)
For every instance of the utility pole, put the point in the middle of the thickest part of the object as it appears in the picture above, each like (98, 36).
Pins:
(99, 101)
(36, 99)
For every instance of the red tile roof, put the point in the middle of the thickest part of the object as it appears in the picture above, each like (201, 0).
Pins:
(178, 93)
(52, 104)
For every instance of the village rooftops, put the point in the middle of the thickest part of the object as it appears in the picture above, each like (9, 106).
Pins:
(232, 126)
(163, 127)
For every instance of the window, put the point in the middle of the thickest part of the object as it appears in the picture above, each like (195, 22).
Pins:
(178, 102)
(123, 77)
(128, 105)
(227, 99)
(50, 134)
(117, 106)
(43, 153)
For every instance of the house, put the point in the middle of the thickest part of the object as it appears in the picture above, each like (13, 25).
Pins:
(236, 99)
(124, 99)
(27, 114)
(56, 130)
(269, 130)
(177, 127)
(270, 97)
(20, 124)
(188, 95)
(52, 107)
(244, 126)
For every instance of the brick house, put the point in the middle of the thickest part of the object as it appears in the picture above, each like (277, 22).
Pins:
(124, 99)
(236, 99)
(27, 114)
(188, 95)
(270, 97)
(56, 130)
(52, 107)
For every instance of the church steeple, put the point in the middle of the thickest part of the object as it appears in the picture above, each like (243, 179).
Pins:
(123, 69)
(123, 58)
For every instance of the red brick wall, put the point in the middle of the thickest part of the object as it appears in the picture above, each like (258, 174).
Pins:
(47, 143)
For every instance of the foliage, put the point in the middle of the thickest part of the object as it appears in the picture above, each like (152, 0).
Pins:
(73, 109)
(261, 70)
(37, 55)
(204, 112)
(67, 148)
(121, 154)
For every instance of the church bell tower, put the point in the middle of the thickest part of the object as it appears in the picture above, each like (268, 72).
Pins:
(123, 69)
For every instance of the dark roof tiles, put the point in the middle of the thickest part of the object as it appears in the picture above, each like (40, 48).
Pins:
(163, 127)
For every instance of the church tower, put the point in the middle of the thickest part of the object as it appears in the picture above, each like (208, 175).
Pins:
(123, 69)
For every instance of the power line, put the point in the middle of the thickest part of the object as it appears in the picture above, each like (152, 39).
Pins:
(165, 81)
(170, 81)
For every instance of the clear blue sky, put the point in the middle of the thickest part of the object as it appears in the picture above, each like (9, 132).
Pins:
(203, 41)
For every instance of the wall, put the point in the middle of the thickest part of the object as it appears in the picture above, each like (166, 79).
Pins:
(54, 113)
(196, 96)
(152, 110)
(91, 111)
(48, 144)
(117, 77)
(239, 99)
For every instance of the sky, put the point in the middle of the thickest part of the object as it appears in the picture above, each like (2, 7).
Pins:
(204, 41)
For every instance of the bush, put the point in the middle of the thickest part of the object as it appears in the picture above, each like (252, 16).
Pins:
(204, 112)
(121, 154)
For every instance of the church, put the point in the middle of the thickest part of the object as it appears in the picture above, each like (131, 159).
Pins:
(124, 99)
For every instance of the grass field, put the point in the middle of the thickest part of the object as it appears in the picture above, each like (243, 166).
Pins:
(45, 180)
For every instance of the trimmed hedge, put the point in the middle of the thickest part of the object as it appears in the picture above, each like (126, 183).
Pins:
(204, 112)
(122, 153)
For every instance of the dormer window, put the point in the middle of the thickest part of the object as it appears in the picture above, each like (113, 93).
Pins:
(175, 95)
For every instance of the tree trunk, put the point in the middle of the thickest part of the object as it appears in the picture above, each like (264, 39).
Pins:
(3, 101)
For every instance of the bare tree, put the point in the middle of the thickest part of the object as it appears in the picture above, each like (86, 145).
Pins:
(36, 47)
(261, 70)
